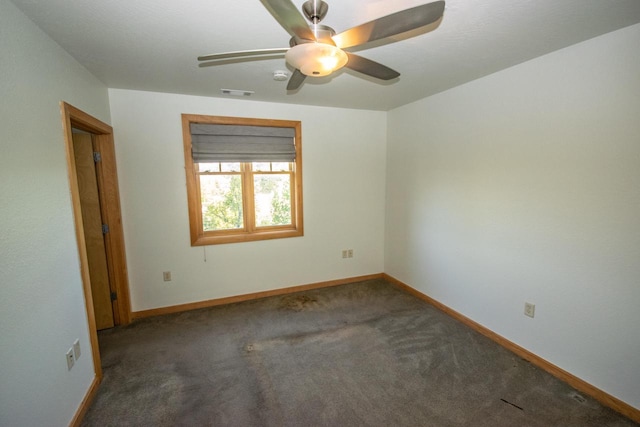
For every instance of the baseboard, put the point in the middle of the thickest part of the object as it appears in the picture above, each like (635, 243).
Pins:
(86, 402)
(247, 297)
(575, 382)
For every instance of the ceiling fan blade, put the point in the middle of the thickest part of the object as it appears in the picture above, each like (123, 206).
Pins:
(370, 68)
(288, 16)
(296, 80)
(391, 25)
(242, 53)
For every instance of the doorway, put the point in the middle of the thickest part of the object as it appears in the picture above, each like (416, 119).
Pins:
(98, 223)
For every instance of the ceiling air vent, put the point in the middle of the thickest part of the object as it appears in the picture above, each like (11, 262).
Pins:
(236, 92)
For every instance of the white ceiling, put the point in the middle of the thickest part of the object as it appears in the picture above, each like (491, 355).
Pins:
(152, 45)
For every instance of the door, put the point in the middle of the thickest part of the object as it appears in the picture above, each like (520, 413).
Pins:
(93, 230)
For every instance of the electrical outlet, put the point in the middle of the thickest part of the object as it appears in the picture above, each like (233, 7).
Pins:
(70, 360)
(350, 253)
(529, 309)
(345, 253)
(76, 349)
(166, 276)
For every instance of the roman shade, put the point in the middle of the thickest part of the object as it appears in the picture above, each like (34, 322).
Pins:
(239, 143)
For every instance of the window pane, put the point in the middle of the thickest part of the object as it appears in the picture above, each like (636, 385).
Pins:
(261, 166)
(230, 167)
(272, 199)
(208, 167)
(280, 166)
(221, 197)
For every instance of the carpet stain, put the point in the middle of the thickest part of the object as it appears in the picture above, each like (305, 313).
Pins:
(578, 398)
(296, 302)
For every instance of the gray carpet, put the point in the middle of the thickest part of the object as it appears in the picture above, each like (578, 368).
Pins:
(364, 354)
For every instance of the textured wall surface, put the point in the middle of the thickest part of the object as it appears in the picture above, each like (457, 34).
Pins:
(42, 307)
(523, 186)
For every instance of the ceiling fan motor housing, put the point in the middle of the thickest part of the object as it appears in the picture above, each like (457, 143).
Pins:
(322, 33)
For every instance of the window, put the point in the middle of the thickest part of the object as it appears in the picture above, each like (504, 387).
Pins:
(244, 178)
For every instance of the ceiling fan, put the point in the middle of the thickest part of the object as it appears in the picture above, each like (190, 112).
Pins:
(316, 50)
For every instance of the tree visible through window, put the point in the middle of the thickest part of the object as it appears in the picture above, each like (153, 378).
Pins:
(233, 201)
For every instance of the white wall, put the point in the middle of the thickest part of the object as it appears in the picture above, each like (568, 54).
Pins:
(343, 183)
(525, 186)
(41, 299)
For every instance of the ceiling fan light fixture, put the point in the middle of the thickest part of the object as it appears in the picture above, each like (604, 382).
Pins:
(316, 59)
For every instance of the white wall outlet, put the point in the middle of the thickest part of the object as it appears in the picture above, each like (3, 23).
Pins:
(529, 309)
(166, 276)
(70, 360)
(345, 253)
(76, 349)
(350, 253)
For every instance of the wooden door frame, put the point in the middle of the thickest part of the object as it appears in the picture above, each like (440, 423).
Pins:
(110, 208)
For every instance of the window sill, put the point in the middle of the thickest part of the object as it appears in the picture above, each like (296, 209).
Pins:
(217, 239)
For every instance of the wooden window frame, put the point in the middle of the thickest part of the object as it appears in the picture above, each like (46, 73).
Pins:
(200, 237)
